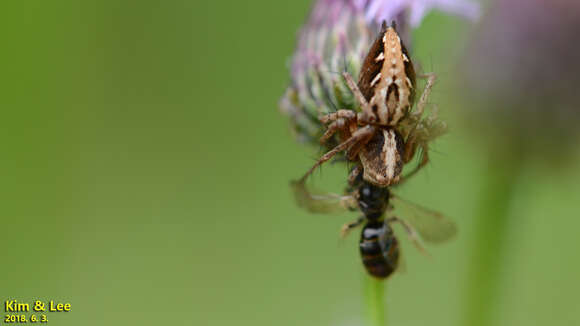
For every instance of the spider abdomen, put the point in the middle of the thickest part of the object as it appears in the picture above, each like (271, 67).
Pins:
(382, 157)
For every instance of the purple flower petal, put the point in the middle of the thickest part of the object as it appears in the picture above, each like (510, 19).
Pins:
(465, 9)
(380, 10)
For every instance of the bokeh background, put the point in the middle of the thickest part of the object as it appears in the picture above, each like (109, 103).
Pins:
(145, 168)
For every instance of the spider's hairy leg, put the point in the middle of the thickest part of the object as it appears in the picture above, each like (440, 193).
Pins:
(427, 129)
(410, 147)
(346, 228)
(359, 135)
(433, 125)
(332, 129)
(367, 113)
(422, 164)
(344, 114)
(418, 139)
(355, 90)
(431, 77)
(424, 132)
(410, 232)
(341, 120)
(353, 151)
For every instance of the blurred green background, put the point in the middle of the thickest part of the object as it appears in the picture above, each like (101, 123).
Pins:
(145, 171)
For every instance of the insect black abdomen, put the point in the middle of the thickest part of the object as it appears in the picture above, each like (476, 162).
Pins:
(379, 249)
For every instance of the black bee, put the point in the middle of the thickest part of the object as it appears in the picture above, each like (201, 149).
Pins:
(379, 248)
(378, 245)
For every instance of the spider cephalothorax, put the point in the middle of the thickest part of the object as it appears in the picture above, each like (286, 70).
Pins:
(387, 80)
(385, 134)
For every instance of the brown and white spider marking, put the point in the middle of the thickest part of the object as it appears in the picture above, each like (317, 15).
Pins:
(385, 134)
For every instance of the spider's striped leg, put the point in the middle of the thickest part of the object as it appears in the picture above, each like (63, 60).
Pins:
(341, 120)
(357, 136)
(418, 112)
(367, 112)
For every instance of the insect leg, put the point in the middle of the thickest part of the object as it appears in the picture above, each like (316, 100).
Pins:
(354, 174)
(356, 137)
(346, 228)
(410, 232)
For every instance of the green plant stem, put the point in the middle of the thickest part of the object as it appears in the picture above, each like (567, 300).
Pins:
(374, 293)
(490, 238)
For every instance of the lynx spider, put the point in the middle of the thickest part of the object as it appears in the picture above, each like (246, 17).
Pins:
(385, 134)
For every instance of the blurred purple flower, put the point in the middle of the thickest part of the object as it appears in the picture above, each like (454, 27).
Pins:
(335, 39)
(523, 71)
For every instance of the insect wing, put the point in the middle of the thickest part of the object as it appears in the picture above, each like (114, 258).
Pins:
(402, 263)
(315, 202)
(431, 225)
